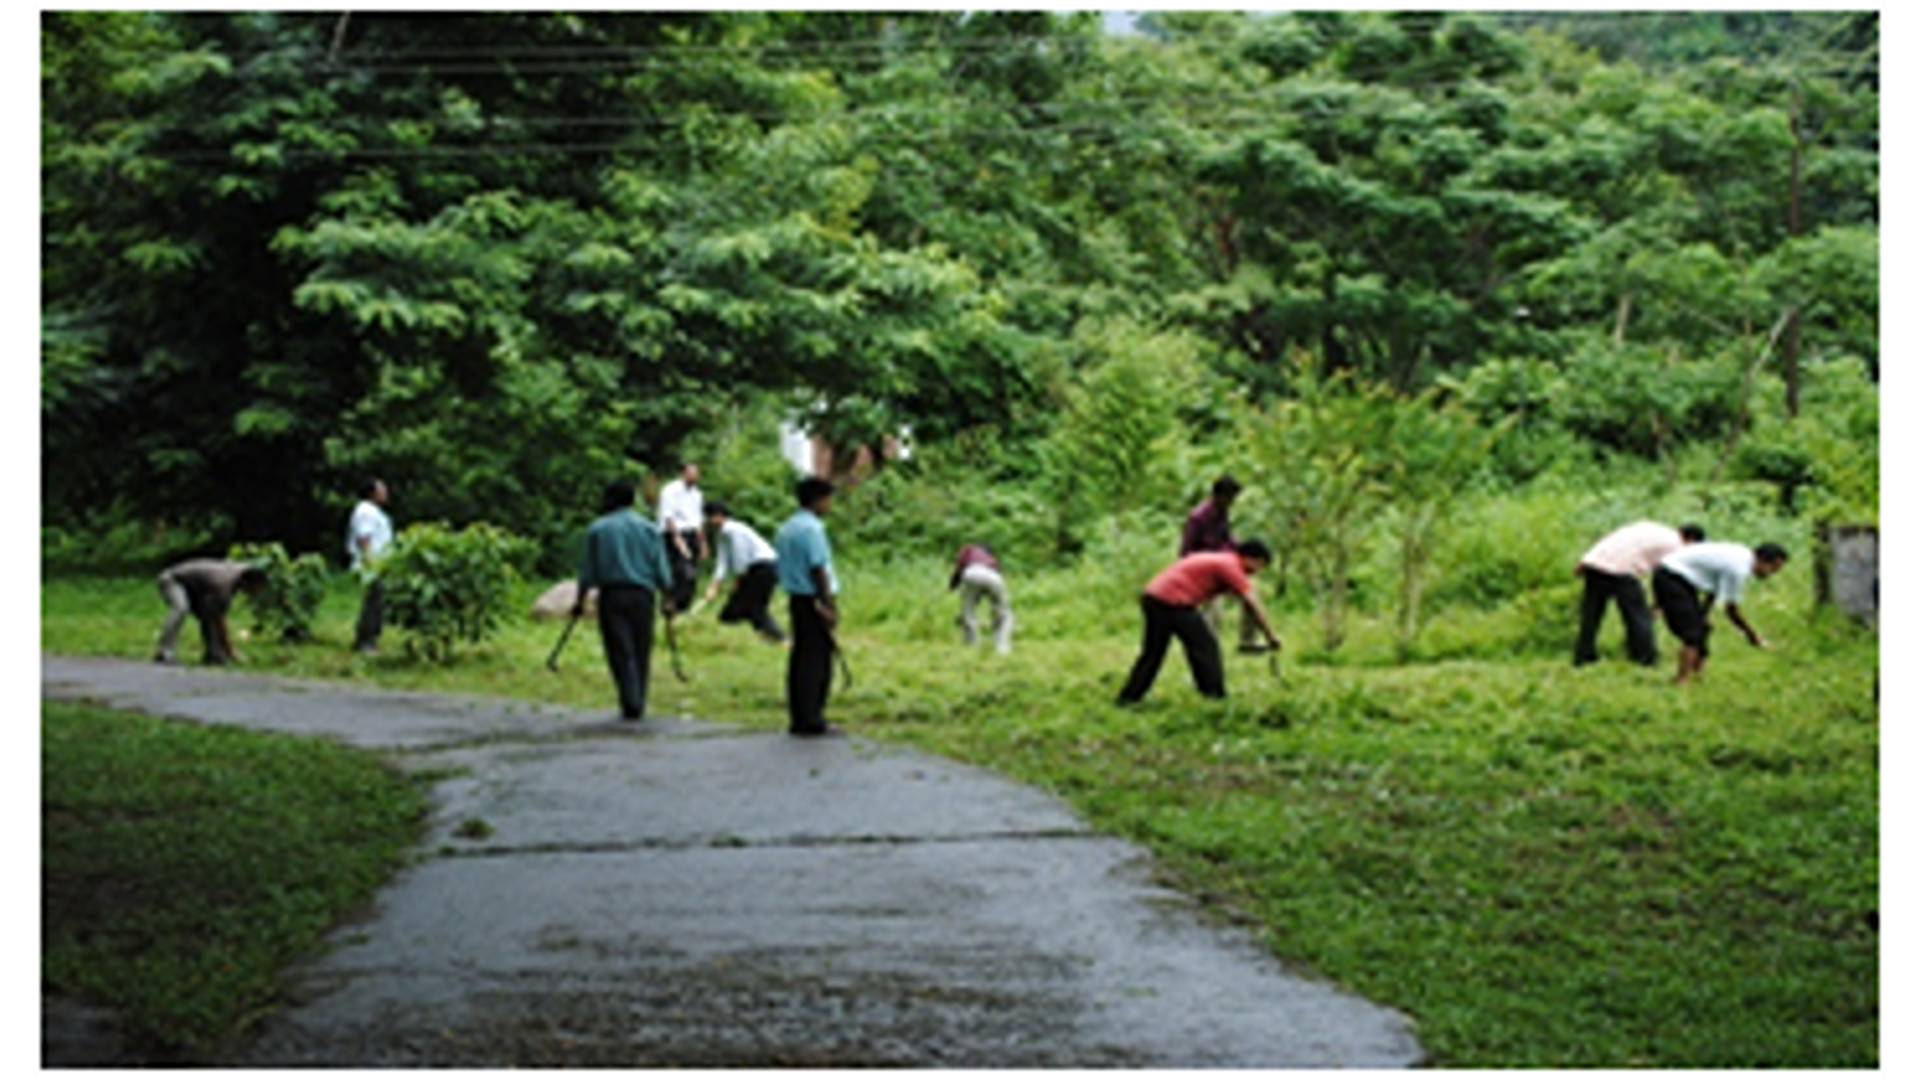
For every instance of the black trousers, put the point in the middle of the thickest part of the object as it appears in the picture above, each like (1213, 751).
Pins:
(809, 667)
(748, 603)
(626, 633)
(1623, 591)
(366, 629)
(685, 567)
(1681, 605)
(1164, 622)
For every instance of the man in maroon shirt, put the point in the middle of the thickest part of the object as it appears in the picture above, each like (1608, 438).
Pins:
(1171, 606)
(1209, 527)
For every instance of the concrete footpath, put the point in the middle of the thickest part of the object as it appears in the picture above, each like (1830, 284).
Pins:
(679, 893)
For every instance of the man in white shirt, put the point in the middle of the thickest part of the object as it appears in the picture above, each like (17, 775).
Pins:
(1687, 582)
(1611, 571)
(369, 534)
(745, 556)
(681, 511)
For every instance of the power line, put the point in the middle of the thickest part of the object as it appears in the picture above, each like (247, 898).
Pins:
(895, 122)
(1069, 115)
(909, 43)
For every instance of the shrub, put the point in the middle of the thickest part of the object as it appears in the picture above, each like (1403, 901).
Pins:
(1645, 402)
(295, 587)
(445, 587)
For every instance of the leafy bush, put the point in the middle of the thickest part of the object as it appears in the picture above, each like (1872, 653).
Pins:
(112, 541)
(446, 587)
(295, 587)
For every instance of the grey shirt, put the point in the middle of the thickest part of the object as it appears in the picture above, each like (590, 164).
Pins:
(210, 583)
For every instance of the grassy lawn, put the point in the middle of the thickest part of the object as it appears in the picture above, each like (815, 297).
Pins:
(1542, 866)
(183, 867)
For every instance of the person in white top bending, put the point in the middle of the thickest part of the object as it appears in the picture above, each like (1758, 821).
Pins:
(744, 556)
(1687, 582)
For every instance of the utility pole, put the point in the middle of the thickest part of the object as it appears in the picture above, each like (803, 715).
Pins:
(1790, 347)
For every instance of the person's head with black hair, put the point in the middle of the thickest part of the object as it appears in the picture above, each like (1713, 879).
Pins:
(374, 490)
(1691, 533)
(1768, 558)
(1225, 489)
(617, 495)
(717, 510)
(814, 492)
(253, 579)
(1253, 552)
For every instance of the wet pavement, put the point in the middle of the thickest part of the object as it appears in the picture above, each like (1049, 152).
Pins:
(681, 893)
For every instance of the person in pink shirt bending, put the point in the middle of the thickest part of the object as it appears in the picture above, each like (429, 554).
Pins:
(1612, 570)
(977, 574)
(1171, 607)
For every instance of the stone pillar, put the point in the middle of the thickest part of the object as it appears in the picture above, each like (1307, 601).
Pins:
(1847, 573)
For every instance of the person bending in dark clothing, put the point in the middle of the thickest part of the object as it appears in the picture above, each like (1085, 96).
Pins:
(205, 588)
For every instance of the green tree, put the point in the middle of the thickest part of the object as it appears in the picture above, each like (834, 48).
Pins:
(1324, 459)
(1367, 226)
(1121, 439)
(1435, 450)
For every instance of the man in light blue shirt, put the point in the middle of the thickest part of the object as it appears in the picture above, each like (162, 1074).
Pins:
(805, 561)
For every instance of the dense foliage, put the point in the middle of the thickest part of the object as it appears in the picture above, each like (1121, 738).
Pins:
(498, 257)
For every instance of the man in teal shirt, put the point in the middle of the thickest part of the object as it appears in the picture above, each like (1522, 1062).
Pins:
(626, 560)
(805, 561)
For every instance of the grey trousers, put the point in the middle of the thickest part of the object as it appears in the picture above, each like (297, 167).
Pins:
(985, 583)
(180, 604)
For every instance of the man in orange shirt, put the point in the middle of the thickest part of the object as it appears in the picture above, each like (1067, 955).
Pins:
(1172, 606)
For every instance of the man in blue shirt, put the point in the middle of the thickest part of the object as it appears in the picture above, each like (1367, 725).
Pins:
(626, 560)
(805, 561)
